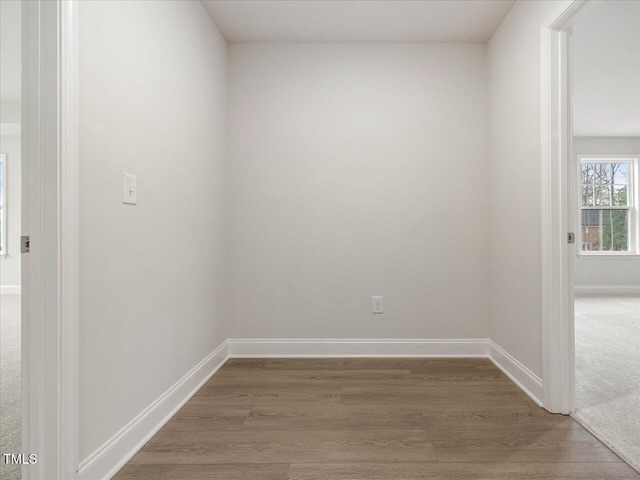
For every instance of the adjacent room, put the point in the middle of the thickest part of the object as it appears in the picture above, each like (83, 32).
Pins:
(606, 150)
(10, 219)
(310, 240)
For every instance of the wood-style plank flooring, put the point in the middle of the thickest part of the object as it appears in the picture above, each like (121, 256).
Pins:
(368, 419)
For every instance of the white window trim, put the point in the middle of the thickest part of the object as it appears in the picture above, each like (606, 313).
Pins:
(634, 203)
(3, 247)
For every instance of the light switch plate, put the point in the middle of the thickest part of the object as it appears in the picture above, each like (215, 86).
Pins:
(129, 189)
(377, 305)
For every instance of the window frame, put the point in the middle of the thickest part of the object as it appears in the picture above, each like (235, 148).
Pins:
(634, 221)
(3, 206)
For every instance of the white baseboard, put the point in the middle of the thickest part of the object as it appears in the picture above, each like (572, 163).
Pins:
(105, 462)
(607, 289)
(310, 348)
(524, 378)
(454, 348)
(10, 289)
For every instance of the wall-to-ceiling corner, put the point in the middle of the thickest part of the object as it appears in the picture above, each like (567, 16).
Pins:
(154, 313)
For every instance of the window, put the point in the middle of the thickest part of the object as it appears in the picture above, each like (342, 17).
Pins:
(3, 198)
(608, 207)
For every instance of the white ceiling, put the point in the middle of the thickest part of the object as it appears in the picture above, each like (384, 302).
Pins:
(10, 63)
(606, 59)
(357, 20)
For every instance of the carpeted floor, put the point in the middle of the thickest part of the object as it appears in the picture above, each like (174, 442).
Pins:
(608, 371)
(10, 398)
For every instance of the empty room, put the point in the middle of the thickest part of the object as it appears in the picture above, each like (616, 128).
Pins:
(320, 239)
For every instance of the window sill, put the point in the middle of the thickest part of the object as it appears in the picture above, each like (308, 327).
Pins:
(609, 256)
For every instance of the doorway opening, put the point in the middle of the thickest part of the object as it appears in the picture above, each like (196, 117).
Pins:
(587, 214)
(10, 232)
(605, 156)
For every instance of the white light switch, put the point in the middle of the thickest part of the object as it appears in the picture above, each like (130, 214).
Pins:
(129, 189)
(377, 305)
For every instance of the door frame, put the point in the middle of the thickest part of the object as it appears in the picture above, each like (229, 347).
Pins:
(558, 212)
(50, 277)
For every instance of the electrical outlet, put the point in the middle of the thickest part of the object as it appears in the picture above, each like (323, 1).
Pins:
(377, 305)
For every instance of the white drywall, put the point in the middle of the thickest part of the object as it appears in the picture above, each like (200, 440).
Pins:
(152, 102)
(10, 54)
(10, 68)
(358, 170)
(602, 271)
(514, 160)
(10, 110)
(10, 264)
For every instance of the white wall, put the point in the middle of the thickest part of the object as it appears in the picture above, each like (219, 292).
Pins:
(514, 159)
(10, 112)
(359, 170)
(10, 265)
(152, 102)
(10, 69)
(606, 271)
(10, 50)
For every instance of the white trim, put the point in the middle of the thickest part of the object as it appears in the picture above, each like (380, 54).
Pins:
(10, 289)
(624, 256)
(49, 217)
(315, 348)
(606, 254)
(607, 157)
(558, 355)
(607, 289)
(529, 382)
(3, 202)
(69, 275)
(41, 322)
(111, 456)
(524, 378)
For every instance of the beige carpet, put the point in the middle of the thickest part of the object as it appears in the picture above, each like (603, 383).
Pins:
(608, 371)
(10, 398)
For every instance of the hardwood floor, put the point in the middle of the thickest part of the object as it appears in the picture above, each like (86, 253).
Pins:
(368, 419)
